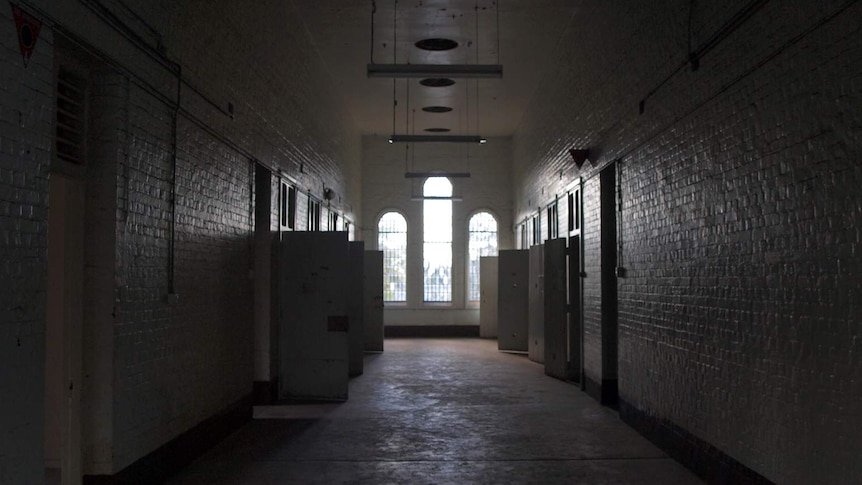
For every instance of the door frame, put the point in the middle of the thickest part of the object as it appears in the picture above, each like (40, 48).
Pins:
(64, 325)
(575, 292)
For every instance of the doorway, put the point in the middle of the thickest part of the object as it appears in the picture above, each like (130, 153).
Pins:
(575, 295)
(263, 327)
(63, 331)
(574, 328)
(608, 180)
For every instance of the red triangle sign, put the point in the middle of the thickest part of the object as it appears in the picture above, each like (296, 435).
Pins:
(28, 28)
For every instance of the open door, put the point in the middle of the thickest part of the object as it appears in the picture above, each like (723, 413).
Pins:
(313, 321)
(575, 329)
(373, 291)
(488, 296)
(536, 325)
(610, 342)
(556, 332)
(356, 308)
(263, 328)
(513, 299)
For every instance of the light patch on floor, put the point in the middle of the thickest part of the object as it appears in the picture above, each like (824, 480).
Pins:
(431, 411)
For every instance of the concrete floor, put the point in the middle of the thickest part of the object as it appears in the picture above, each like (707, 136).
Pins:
(441, 411)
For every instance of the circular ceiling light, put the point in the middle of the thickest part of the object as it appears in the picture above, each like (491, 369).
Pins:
(437, 44)
(437, 82)
(437, 130)
(437, 109)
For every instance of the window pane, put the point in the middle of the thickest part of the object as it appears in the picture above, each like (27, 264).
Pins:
(392, 240)
(437, 247)
(482, 242)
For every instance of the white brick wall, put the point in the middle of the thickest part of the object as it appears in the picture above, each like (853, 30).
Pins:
(285, 116)
(25, 143)
(385, 188)
(592, 293)
(739, 316)
(154, 370)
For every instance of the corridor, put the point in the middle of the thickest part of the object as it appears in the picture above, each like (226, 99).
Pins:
(440, 411)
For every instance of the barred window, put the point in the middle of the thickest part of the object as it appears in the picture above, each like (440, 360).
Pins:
(523, 239)
(332, 222)
(392, 240)
(482, 231)
(437, 240)
(313, 221)
(537, 230)
(553, 221)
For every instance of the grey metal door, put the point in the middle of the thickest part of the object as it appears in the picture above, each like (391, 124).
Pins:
(488, 296)
(313, 322)
(356, 308)
(574, 311)
(536, 312)
(513, 284)
(556, 332)
(373, 300)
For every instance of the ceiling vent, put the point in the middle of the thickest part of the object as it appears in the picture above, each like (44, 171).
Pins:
(437, 82)
(437, 44)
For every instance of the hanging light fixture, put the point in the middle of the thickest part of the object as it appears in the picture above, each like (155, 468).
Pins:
(484, 71)
(436, 173)
(437, 138)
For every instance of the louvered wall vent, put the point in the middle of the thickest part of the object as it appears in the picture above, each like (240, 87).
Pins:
(71, 115)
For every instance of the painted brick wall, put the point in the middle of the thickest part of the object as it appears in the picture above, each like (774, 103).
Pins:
(157, 369)
(385, 188)
(283, 117)
(25, 145)
(207, 333)
(592, 284)
(296, 123)
(739, 314)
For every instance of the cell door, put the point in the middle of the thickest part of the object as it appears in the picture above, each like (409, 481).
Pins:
(373, 300)
(556, 332)
(536, 324)
(356, 308)
(313, 321)
(575, 328)
(513, 299)
(610, 341)
(488, 296)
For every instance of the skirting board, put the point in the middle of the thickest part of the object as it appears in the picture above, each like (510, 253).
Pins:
(264, 393)
(432, 331)
(605, 393)
(704, 459)
(178, 453)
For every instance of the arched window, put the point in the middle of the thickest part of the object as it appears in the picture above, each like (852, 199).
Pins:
(392, 240)
(482, 241)
(437, 240)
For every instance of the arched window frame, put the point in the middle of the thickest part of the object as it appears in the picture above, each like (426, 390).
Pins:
(394, 289)
(473, 290)
(437, 241)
